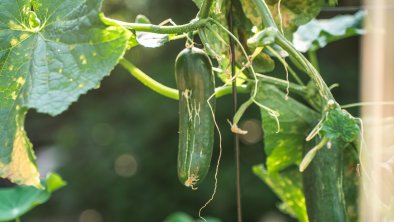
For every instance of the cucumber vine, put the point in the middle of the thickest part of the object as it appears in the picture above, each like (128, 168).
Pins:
(51, 54)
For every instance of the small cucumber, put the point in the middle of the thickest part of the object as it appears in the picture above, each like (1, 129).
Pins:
(195, 81)
(323, 184)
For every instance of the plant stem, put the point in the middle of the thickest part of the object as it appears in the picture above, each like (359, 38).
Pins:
(226, 90)
(286, 45)
(309, 68)
(241, 110)
(295, 88)
(287, 67)
(168, 91)
(312, 54)
(139, 27)
(148, 81)
(180, 36)
(265, 13)
(205, 7)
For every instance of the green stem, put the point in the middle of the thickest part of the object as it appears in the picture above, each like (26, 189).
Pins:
(17, 219)
(168, 91)
(309, 69)
(265, 13)
(181, 36)
(282, 84)
(241, 110)
(205, 8)
(292, 72)
(148, 81)
(312, 54)
(286, 45)
(139, 27)
(226, 90)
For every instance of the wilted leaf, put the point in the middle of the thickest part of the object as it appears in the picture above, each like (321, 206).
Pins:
(151, 40)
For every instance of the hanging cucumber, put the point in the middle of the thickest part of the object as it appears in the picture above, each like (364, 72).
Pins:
(195, 81)
(323, 184)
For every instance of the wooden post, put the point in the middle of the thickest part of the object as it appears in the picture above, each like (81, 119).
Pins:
(377, 154)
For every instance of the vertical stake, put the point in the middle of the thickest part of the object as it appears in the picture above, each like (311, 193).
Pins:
(235, 106)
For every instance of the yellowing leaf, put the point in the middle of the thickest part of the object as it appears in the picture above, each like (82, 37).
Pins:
(21, 169)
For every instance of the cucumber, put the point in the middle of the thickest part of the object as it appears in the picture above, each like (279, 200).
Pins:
(323, 184)
(195, 82)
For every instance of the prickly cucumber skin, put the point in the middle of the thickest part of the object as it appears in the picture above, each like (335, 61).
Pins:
(323, 184)
(195, 81)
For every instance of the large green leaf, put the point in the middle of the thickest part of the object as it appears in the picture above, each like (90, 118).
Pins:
(284, 148)
(51, 52)
(318, 33)
(16, 201)
(288, 186)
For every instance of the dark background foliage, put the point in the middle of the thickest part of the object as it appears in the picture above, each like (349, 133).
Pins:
(117, 146)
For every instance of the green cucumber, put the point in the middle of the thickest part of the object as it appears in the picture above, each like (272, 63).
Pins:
(195, 82)
(323, 183)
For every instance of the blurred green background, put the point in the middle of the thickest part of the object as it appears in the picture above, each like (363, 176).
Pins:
(117, 146)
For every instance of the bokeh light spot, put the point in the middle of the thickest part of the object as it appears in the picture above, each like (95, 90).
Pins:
(126, 165)
(90, 215)
(255, 132)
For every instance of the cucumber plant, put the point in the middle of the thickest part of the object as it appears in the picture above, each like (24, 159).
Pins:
(53, 51)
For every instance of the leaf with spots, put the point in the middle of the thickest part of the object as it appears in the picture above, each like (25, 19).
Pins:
(288, 186)
(51, 52)
(287, 14)
(284, 148)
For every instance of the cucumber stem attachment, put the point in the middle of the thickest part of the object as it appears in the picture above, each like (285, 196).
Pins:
(241, 110)
(168, 91)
